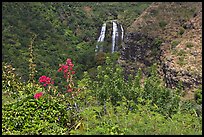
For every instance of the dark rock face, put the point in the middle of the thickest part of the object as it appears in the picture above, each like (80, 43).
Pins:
(139, 50)
(172, 77)
(188, 25)
(142, 51)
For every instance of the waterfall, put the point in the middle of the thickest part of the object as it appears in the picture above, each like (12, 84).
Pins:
(101, 37)
(117, 37)
(122, 32)
(115, 34)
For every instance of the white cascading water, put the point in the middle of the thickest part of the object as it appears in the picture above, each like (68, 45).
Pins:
(122, 32)
(115, 34)
(101, 37)
(115, 37)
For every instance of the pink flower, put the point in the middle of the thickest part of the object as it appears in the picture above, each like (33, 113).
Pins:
(69, 90)
(64, 67)
(42, 79)
(38, 95)
(69, 61)
(60, 69)
(65, 71)
(67, 68)
(45, 80)
(71, 65)
(73, 72)
(48, 79)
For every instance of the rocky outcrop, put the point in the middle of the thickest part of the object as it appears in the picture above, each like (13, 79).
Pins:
(190, 73)
(139, 51)
(173, 77)
(173, 22)
(142, 51)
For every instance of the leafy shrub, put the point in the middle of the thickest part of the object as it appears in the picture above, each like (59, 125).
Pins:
(105, 105)
(181, 31)
(174, 43)
(158, 42)
(141, 122)
(31, 112)
(162, 23)
(166, 100)
(189, 45)
(30, 116)
(181, 61)
(11, 86)
(100, 58)
(198, 96)
(10, 81)
(181, 53)
(110, 84)
(18, 115)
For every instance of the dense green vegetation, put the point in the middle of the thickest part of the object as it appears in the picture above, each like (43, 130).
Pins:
(106, 105)
(92, 97)
(58, 30)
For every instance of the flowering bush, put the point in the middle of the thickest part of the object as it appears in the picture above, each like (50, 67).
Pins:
(30, 116)
(68, 73)
(45, 80)
(34, 114)
(67, 68)
(38, 95)
(107, 105)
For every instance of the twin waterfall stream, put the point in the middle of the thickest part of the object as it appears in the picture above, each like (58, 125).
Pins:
(117, 37)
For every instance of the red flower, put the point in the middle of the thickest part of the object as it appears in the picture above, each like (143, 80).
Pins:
(67, 68)
(38, 95)
(64, 67)
(69, 61)
(45, 80)
(69, 90)
(65, 71)
(60, 69)
(73, 72)
(48, 79)
(42, 79)
(71, 65)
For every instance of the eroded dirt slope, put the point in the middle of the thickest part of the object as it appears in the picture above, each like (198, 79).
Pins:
(179, 24)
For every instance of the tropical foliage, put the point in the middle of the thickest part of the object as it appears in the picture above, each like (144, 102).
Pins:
(54, 83)
(105, 105)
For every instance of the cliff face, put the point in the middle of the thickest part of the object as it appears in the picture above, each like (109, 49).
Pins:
(179, 25)
(139, 51)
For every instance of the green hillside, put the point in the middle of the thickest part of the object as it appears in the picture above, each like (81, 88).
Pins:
(53, 82)
(57, 31)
